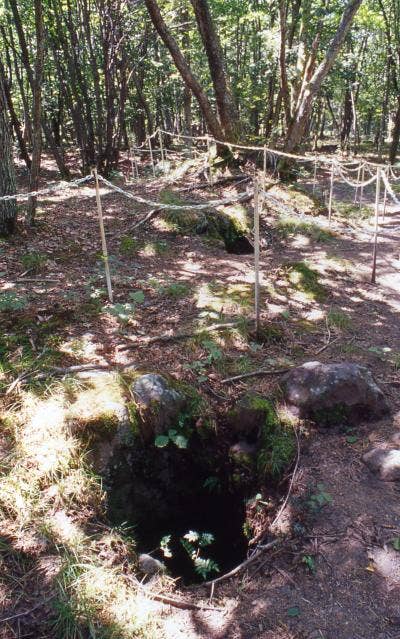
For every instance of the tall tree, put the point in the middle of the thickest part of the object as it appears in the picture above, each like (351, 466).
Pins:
(37, 109)
(8, 208)
(313, 80)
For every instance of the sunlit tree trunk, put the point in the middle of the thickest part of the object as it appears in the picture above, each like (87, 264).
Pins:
(8, 209)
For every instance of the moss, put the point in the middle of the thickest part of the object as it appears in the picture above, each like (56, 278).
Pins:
(289, 225)
(277, 445)
(304, 279)
(338, 414)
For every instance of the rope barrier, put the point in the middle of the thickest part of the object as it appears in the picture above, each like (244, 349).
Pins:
(175, 207)
(59, 186)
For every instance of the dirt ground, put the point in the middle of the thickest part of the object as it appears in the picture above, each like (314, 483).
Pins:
(337, 574)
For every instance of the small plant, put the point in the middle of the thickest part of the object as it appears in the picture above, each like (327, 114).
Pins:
(128, 245)
(193, 542)
(33, 261)
(339, 319)
(165, 547)
(396, 543)
(309, 561)
(319, 499)
(12, 302)
(125, 312)
(175, 290)
(178, 436)
(212, 484)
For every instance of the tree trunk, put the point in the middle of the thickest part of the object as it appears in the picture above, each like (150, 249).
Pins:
(312, 86)
(14, 119)
(226, 106)
(394, 144)
(181, 64)
(8, 209)
(37, 110)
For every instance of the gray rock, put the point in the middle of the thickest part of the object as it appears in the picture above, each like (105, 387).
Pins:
(159, 405)
(248, 415)
(384, 463)
(243, 453)
(150, 566)
(333, 393)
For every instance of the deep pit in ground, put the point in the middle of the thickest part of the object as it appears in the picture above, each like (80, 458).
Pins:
(168, 493)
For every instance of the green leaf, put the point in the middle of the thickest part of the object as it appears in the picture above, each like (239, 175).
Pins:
(137, 296)
(294, 611)
(352, 439)
(396, 543)
(179, 440)
(161, 441)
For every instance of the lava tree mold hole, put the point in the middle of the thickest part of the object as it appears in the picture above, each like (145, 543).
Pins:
(182, 505)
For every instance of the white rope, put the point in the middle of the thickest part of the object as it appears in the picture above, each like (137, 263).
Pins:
(389, 189)
(59, 186)
(175, 207)
(355, 185)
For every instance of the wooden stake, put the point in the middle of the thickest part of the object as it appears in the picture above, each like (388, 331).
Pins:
(384, 204)
(152, 157)
(331, 193)
(103, 237)
(256, 258)
(210, 175)
(357, 187)
(315, 175)
(161, 146)
(375, 251)
(362, 187)
(265, 167)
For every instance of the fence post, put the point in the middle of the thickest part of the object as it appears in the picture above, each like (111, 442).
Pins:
(315, 175)
(151, 157)
(362, 185)
(103, 237)
(358, 181)
(375, 251)
(256, 258)
(210, 175)
(161, 146)
(331, 193)
(265, 167)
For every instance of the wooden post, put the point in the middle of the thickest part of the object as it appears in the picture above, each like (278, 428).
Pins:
(375, 251)
(210, 175)
(358, 181)
(152, 157)
(315, 175)
(384, 203)
(362, 187)
(103, 237)
(265, 167)
(256, 258)
(161, 146)
(331, 193)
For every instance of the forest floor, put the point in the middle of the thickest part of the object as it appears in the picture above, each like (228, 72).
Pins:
(338, 576)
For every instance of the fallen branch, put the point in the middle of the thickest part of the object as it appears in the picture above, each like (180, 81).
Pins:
(257, 373)
(169, 337)
(246, 563)
(327, 345)
(172, 601)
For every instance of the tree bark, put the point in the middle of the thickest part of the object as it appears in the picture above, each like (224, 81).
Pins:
(311, 86)
(8, 209)
(37, 110)
(226, 106)
(187, 75)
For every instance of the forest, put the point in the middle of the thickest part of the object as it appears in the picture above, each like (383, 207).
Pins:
(199, 319)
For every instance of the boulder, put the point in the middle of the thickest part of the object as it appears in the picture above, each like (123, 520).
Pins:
(248, 415)
(384, 463)
(159, 404)
(333, 393)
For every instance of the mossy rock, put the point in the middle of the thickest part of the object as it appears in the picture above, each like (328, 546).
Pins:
(248, 415)
(276, 446)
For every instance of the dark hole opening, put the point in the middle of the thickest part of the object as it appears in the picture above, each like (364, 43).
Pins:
(170, 493)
